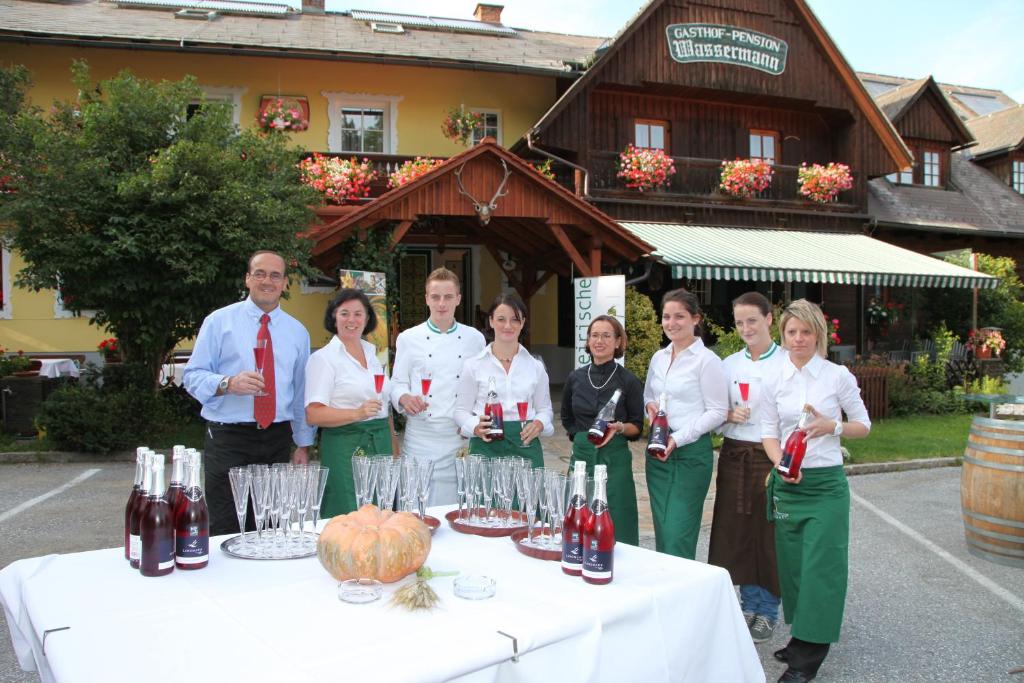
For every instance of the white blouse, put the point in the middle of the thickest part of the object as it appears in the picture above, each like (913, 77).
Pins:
(337, 380)
(831, 389)
(740, 367)
(526, 380)
(697, 399)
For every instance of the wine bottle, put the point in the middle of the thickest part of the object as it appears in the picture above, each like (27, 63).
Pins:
(572, 526)
(192, 521)
(140, 470)
(604, 418)
(493, 410)
(174, 491)
(657, 443)
(134, 542)
(599, 533)
(156, 527)
(796, 446)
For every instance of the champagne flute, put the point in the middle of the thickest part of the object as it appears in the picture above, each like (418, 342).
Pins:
(321, 484)
(425, 379)
(260, 353)
(744, 393)
(460, 482)
(378, 383)
(524, 410)
(240, 478)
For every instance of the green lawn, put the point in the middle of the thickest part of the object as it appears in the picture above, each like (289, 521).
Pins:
(910, 438)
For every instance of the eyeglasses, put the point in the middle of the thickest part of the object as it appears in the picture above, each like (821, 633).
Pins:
(261, 275)
(607, 336)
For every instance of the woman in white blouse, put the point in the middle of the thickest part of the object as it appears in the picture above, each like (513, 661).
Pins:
(812, 510)
(520, 381)
(342, 397)
(692, 381)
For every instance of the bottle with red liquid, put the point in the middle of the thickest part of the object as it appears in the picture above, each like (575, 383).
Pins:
(177, 487)
(599, 533)
(575, 518)
(599, 429)
(493, 410)
(156, 527)
(140, 470)
(192, 521)
(796, 446)
(134, 540)
(657, 443)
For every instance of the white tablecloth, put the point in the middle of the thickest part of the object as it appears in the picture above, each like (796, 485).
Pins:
(661, 619)
(55, 367)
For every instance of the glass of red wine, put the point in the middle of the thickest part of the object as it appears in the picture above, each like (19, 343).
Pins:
(523, 407)
(259, 352)
(425, 379)
(378, 383)
(744, 392)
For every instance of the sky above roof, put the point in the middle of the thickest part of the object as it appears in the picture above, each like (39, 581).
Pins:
(965, 43)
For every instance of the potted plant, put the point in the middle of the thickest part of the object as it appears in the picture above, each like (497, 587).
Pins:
(823, 183)
(744, 178)
(411, 170)
(986, 342)
(279, 116)
(458, 124)
(339, 180)
(17, 364)
(110, 349)
(645, 169)
(544, 169)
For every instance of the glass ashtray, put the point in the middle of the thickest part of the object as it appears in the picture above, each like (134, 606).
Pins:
(360, 591)
(474, 587)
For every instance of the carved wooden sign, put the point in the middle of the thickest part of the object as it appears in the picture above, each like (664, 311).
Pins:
(726, 45)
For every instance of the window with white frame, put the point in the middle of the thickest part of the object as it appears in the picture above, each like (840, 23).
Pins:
(491, 126)
(904, 177)
(1017, 176)
(764, 145)
(931, 169)
(651, 134)
(227, 95)
(362, 123)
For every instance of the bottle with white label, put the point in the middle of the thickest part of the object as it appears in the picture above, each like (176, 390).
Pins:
(135, 520)
(156, 527)
(599, 533)
(140, 470)
(192, 521)
(604, 418)
(575, 518)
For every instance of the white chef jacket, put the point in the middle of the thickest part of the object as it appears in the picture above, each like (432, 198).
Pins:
(831, 389)
(697, 399)
(337, 380)
(740, 367)
(526, 380)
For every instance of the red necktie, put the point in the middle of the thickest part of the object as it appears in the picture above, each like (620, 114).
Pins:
(265, 407)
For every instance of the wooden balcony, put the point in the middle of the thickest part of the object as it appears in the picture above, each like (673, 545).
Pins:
(383, 164)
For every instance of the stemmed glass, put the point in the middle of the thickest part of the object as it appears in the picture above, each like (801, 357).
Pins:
(240, 479)
(744, 388)
(460, 483)
(259, 352)
(487, 487)
(543, 503)
(523, 407)
(556, 482)
(473, 489)
(317, 484)
(424, 475)
(365, 476)
(301, 488)
(388, 474)
(378, 383)
(259, 486)
(425, 379)
(529, 481)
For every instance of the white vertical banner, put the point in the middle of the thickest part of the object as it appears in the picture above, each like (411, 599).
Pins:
(594, 296)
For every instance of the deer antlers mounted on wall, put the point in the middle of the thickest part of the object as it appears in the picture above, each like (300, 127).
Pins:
(484, 210)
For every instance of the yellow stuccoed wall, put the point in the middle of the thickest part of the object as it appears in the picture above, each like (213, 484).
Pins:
(426, 94)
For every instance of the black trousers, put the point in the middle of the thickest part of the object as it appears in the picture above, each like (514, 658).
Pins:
(238, 445)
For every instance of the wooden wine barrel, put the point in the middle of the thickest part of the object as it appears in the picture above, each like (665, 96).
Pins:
(992, 490)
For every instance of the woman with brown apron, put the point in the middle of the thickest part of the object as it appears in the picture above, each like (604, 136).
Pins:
(691, 379)
(520, 382)
(742, 540)
(586, 392)
(811, 510)
(343, 400)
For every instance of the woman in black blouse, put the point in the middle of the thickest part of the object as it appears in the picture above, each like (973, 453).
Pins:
(587, 390)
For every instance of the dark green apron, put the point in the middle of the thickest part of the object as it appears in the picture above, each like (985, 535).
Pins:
(678, 488)
(621, 488)
(812, 539)
(510, 445)
(337, 446)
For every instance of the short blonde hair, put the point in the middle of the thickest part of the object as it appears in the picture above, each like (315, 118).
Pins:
(809, 314)
(442, 274)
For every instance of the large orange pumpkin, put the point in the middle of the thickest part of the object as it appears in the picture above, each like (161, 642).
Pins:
(371, 544)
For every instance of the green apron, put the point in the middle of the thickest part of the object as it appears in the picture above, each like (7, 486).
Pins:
(510, 445)
(337, 446)
(621, 489)
(812, 538)
(678, 488)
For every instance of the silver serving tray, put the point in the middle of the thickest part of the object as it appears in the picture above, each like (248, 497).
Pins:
(233, 547)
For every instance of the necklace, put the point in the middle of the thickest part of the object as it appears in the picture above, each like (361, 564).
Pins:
(615, 366)
(504, 360)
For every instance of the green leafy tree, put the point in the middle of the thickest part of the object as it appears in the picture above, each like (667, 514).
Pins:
(1001, 306)
(129, 206)
(643, 332)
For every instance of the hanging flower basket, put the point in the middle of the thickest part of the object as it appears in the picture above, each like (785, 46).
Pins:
(823, 183)
(411, 170)
(458, 125)
(281, 114)
(645, 169)
(986, 342)
(340, 180)
(110, 349)
(744, 178)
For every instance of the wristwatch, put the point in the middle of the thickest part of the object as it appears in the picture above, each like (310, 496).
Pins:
(222, 388)
(838, 431)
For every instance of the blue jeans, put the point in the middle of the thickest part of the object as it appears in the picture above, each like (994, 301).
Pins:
(757, 600)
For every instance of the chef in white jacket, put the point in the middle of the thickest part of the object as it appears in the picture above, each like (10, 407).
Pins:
(430, 356)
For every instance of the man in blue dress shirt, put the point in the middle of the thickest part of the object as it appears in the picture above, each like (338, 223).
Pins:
(221, 375)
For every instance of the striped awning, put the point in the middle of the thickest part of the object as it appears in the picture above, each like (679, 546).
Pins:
(720, 253)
